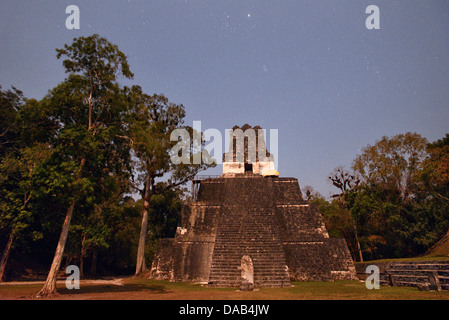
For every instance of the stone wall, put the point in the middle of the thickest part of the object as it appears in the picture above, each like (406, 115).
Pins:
(324, 260)
(195, 236)
(192, 260)
(162, 266)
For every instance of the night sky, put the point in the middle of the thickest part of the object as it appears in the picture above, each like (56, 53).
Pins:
(310, 69)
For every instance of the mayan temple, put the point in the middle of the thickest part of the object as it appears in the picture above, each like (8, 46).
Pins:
(250, 225)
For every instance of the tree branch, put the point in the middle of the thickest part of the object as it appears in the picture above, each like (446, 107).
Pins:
(447, 199)
(126, 138)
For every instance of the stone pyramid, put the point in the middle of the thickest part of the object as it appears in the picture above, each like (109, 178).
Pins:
(244, 214)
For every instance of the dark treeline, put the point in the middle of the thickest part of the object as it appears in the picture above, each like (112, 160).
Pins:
(394, 201)
(85, 173)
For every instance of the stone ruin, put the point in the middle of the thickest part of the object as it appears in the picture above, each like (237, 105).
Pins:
(247, 152)
(247, 274)
(247, 230)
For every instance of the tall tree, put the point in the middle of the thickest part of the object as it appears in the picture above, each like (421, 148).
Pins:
(10, 103)
(435, 173)
(17, 172)
(388, 206)
(343, 180)
(24, 146)
(392, 163)
(156, 118)
(89, 108)
(346, 182)
(435, 187)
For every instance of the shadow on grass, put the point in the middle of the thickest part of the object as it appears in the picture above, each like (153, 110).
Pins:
(105, 288)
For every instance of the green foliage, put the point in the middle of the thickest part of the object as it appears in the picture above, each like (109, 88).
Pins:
(398, 206)
(165, 208)
(95, 59)
(89, 141)
(391, 164)
(10, 103)
(23, 150)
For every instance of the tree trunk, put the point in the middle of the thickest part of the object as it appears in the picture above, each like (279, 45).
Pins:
(7, 250)
(82, 257)
(68, 260)
(93, 266)
(358, 243)
(140, 264)
(5, 255)
(49, 287)
(81, 268)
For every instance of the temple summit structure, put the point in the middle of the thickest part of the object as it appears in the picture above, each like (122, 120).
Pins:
(251, 228)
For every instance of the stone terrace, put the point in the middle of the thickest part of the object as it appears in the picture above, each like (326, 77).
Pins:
(264, 218)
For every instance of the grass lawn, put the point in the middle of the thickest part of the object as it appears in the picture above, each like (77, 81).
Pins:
(145, 289)
(416, 259)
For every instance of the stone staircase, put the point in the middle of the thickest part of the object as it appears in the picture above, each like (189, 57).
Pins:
(247, 226)
(432, 274)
